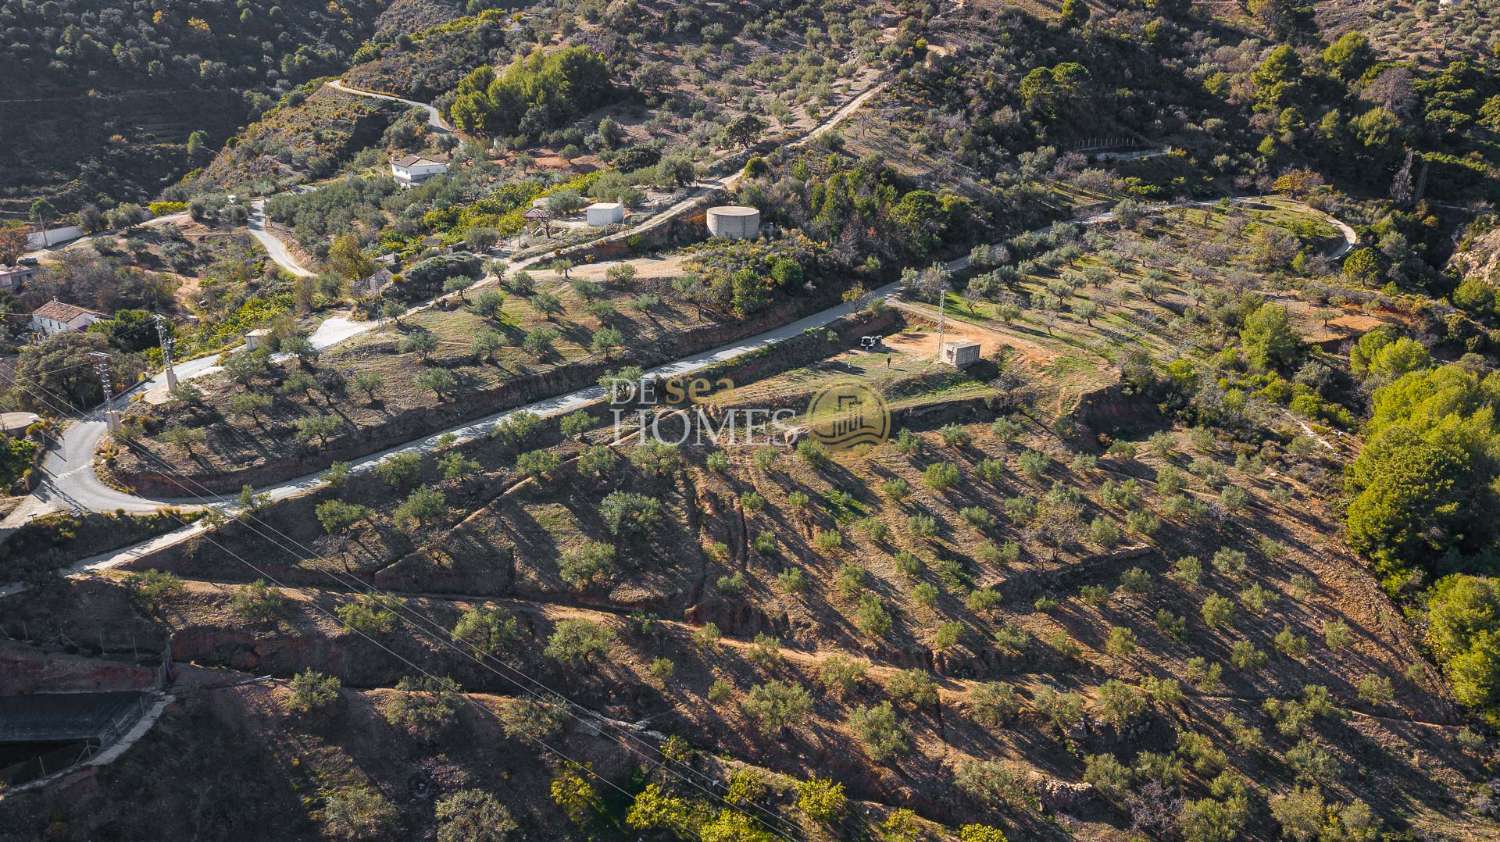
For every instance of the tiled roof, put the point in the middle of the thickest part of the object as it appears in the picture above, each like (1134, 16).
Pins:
(413, 160)
(61, 312)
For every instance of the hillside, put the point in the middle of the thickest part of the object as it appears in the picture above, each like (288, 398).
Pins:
(147, 77)
(779, 420)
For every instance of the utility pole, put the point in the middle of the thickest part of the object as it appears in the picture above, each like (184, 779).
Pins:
(942, 316)
(165, 337)
(101, 365)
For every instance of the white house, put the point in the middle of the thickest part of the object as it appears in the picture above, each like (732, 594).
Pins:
(57, 317)
(411, 170)
(11, 277)
(604, 214)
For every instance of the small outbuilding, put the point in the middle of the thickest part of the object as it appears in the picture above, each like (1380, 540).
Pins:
(59, 317)
(604, 214)
(375, 284)
(960, 354)
(15, 424)
(411, 170)
(12, 277)
(257, 338)
(737, 222)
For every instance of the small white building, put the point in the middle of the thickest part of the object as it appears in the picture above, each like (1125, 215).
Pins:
(58, 317)
(604, 214)
(257, 338)
(961, 353)
(12, 277)
(411, 170)
(737, 222)
(14, 424)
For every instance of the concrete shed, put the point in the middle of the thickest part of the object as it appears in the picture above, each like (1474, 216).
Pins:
(960, 354)
(736, 222)
(604, 214)
(257, 338)
(15, 423)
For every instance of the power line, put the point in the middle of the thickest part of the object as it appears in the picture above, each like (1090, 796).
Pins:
(403, 659)
(519, 680)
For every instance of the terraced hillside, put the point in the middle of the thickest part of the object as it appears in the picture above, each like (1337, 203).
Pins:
(1093, 440)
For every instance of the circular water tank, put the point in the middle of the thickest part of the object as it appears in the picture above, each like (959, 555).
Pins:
(736, 222)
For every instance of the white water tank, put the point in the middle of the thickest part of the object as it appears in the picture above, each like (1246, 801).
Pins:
(736, 222)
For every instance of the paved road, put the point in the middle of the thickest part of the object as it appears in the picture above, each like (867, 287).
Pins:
(273, 244)
(434, 117)
(82, 481)
(69, 481)
(52, 251)
(73, 479)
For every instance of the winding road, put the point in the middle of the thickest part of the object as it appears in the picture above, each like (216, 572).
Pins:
(434, 116)
(71, 479)
(272, 243)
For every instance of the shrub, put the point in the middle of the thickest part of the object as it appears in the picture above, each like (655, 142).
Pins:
(1187, 571)
(1205, 675)
(776, 705)
(399, 469)
(421, 507)
(1218, 611)
(827, 540)
(955, 436)
(841, 674)
(821, 800)
(978, 517)
(880, 731)
(1107, 775)
(913, 687)
(486, 629)
(982, 600)
(1120, 642)
(940, 476)
(1290, 644)
(582, 565)
(368, 613)
(257, 602)
(1119, 703)
(423, 705)
(895, 488)
(577, 641)
(357, 812)
(1245, 657)
(152, 589)
(597, 461)
(629, 514)
(473, 815)
(533, 722)
(992, 782)
(1376, 689)
(312, 691)
(1299, 812)
(1104, 533)
(872, 618)
(537, 463)
(993, 703)
(1034, 464)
